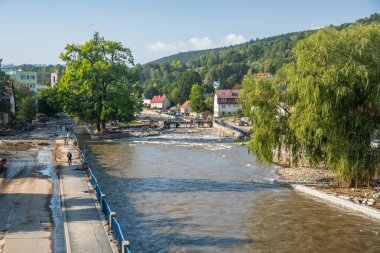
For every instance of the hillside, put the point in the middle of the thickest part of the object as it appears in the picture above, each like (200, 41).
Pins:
(227, 65)
(187, 56)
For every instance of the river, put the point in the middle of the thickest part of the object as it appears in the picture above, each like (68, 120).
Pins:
(192, 192)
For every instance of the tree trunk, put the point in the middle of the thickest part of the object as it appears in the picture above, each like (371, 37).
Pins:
(103, 125)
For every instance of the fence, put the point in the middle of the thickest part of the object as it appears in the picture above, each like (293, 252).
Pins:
(110, 216)
(106, 209)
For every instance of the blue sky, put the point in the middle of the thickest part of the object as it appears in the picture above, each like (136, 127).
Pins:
(37, 31)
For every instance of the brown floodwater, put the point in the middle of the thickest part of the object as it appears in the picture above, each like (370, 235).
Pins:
(195, 193)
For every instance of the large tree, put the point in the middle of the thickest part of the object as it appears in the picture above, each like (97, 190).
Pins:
(100, 84)
(266, 104)
(330, 98)
(335, 82)
(184, 84)
(196, 99)
(48, 101)
(27, 110)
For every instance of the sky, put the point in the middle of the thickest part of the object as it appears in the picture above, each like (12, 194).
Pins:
(36, 32)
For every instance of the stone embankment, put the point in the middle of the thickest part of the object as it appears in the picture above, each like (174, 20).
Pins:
(222, 131)
(320, 183)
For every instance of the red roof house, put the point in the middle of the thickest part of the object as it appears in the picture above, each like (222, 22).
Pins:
(159, 102)
(185, 107)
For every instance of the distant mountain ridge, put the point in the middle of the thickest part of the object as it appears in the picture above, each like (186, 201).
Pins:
(186, 56)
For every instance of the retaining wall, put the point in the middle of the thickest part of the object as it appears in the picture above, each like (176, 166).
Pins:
(366, 210)
(223, 131)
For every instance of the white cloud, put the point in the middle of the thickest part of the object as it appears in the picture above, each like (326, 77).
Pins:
(195, 43)
(233, 39)
(162, 46)
(201, 43)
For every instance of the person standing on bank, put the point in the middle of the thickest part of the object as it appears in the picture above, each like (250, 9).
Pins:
(69, 157)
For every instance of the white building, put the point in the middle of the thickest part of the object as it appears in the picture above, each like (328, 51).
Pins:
(25, 78)
(226, 102)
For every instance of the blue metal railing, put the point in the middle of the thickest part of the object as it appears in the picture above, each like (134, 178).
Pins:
(99, 192)
(106, 209)
(119, 235)
(116, 228)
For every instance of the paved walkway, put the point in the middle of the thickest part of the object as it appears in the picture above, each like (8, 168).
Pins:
(84, 228)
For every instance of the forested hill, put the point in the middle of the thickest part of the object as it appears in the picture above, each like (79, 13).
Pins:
(227, 65)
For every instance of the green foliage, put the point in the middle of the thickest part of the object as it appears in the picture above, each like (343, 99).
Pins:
(48, 101)
(99, 84)
(335, 86)
(196, 99)
(185, 83)
(4, 81)
(227, 65)
(325, 106)
(27, 110)
(264, 103)
(209, 102)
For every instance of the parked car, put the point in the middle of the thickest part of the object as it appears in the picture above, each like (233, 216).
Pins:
(375, 143)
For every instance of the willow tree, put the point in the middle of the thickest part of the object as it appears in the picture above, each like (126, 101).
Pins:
(335, 87)
(331, 97)
(99, 84)
(265, 102)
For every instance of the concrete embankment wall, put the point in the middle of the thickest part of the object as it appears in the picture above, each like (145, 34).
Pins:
(225, 132)
(368, 211)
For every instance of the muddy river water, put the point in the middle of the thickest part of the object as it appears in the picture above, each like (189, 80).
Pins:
(186, 192)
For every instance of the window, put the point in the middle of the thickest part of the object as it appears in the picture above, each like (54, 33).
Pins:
(33, 77)
(223, 100)
(27, 77)
(22, 77)
(223, 106)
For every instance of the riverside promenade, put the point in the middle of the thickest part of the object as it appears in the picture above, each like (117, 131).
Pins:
(84, 229)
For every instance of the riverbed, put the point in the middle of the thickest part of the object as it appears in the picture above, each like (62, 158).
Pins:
(189, 191)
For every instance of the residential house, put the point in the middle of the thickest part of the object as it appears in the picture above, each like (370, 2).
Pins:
(185, 108)
(226, 102)
(159, 102)
(146, 102)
